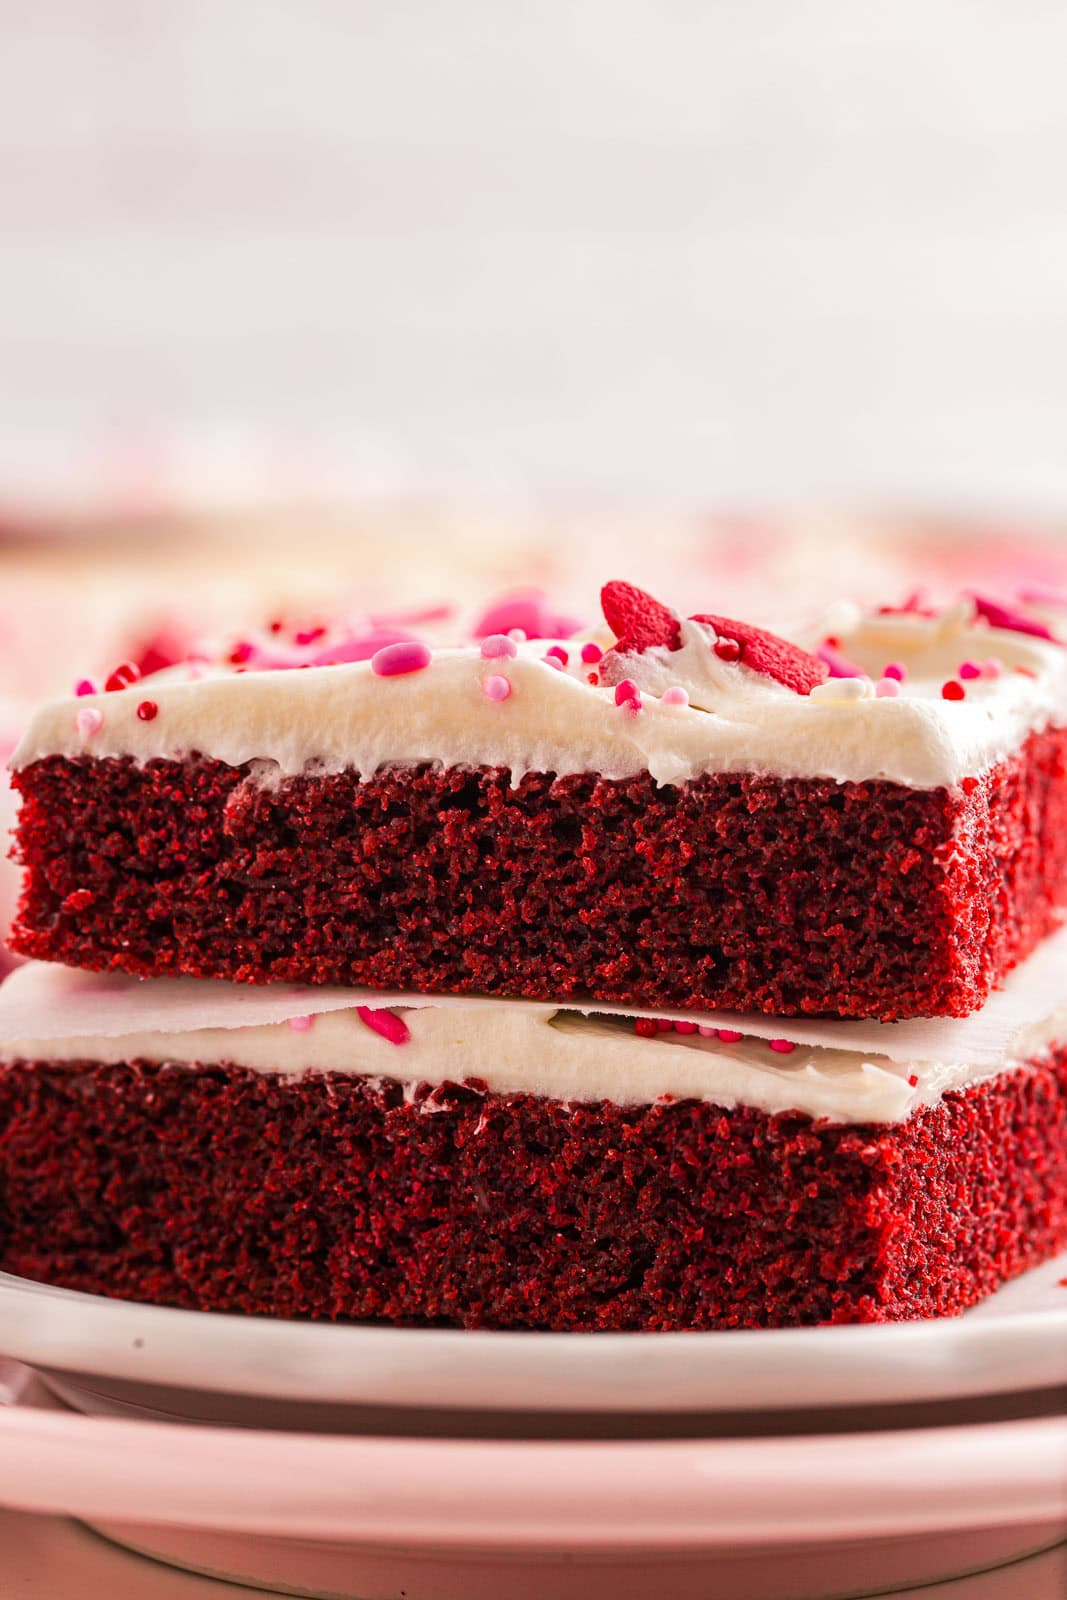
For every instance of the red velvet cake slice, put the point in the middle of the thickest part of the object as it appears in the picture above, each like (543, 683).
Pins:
(513, 1165)
(706, 816)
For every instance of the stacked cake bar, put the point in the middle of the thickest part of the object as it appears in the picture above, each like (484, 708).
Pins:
(708, 979)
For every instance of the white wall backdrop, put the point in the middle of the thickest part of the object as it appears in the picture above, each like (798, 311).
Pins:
(709, 249)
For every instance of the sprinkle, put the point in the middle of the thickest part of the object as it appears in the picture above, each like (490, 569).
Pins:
(727, 649)
(685, 1027)
(243, 652)
(913, 1079)
(841, 691)
(784, 1047)
(895, 669)
(518, 634)
(84, 686)
(839, 666)
(89, 721)
(148, 710)
(675, 696)
(309, 635)
(396, 659)
(560, 654)
(591, 652)
(887, 688)
(628, 694)
(969, 669)
(645, 1027)
(122, 677)
(497, 645)
(300, 1024)
(275, 626)
(593, 678)
(705, 1033)
(953, 690)
(496, 687)
(663, 1025)
(729, 1035)
(993, 667)
(387, 1023)
(999, 616)
(1025, 672)
(553, 661)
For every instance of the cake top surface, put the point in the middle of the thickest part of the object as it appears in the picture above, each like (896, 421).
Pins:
(918, 696)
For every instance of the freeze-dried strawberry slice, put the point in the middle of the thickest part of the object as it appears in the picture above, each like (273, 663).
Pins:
(637, 620)
(766, 653)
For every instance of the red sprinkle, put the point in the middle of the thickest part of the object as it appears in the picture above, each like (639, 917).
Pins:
(240, 652)
(729, 1035)
(393, 660)
(387, 1023)
(646, 1027)
(591, 652)
(784, 1047)
(628, 694)
(953, 690)
(727, 649)
(125, 674)
(685, 1027)
(560, 654)
(148, 710)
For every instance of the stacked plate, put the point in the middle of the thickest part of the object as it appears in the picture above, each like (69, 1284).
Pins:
(449, 1465)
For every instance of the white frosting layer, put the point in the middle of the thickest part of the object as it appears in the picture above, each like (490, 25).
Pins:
(346, 717)
(562, 1055)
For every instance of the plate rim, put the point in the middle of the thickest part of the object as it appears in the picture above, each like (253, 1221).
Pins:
(887, 1363)
(509, 1494)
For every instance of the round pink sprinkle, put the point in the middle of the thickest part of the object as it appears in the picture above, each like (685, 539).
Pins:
(675, 696)
(729, 1035)
(969, 669)
(705, 1033)
(887, 688)
(89, 721)
(498, 645)
(784, 1047)
(387, 1023)
(685, 1027)
(591, 652)
(553, 661)
(992, 668)
(300, 1024)
(560, 654)
(895, 669)
(84, 686)
(518, 634)
(395, 659)
(496, 688)
(628, 694)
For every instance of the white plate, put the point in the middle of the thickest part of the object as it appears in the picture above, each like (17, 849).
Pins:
(1015, 1342)
(514, 1519)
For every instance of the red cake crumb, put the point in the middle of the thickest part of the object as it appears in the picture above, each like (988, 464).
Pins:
(728, 892)
(336, 1197)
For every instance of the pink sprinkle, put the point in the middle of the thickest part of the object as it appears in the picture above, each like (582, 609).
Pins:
(887, 688)
(628, 694)
(553, 661)
(309, 635)
(496, 687)
(497, 646)
(685, 1027)
(397, 659)
(705, 1033)
(840, 666)
(591, 652)
(992, 668)
(387, 1023)
(89, 721)
(518, 634)
(895, 669)
(999, 616)
(84, 686)
(300, 1024)
(969, 669)
(560, 654)
(675, 696)
(729, 1035)
(784, 1047)
(242, 652)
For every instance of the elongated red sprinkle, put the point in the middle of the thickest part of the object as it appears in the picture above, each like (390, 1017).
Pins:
(387, 1023)
(148, 710)
(685, 1027)
(393, 660)
(729, 1035)
(953, 690)
(125, 674)
(663, 1025)
(784, 1047)
(591, 652)
(727, 649)
(645, 1027)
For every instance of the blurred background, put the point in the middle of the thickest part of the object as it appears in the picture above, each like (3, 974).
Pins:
(341, 306)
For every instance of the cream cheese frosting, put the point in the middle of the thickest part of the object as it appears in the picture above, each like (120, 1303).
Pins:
(346, 717)
(526, 1048)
